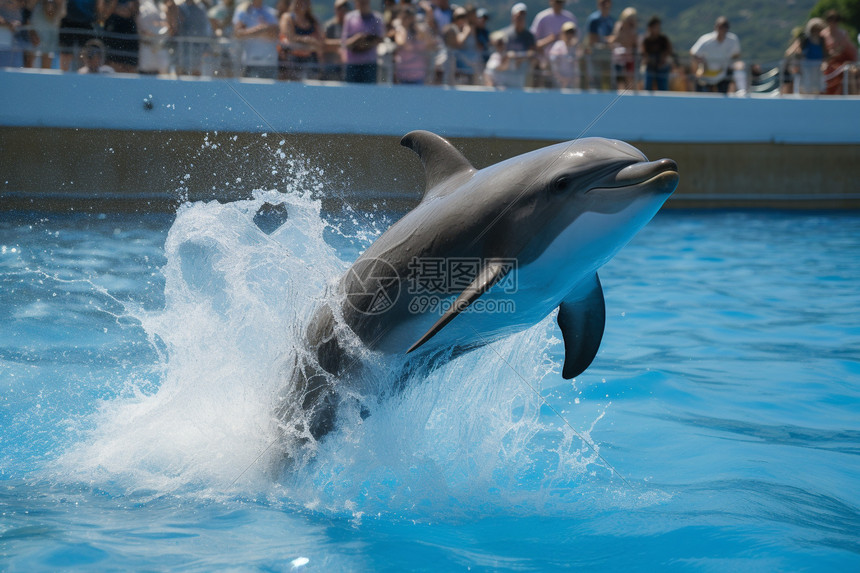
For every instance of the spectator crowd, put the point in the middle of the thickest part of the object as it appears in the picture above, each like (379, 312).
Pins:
(410, 42)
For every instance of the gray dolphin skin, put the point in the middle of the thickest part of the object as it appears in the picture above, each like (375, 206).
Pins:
(518, 239)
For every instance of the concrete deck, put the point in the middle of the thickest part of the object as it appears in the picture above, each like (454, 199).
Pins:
(153, 142)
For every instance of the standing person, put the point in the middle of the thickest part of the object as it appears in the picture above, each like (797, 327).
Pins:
(191, 30)
(438, 14)
(45, 21)
(599, 27)
(120, 34)
(625, 46)
(474, 55)
(256, 26)
(390, 14)
(840, 51)
(499, 62)
(714, 55)
(76, 29)
(521, 46)
(224, 54)
(482, 33)
(415, 43)
(11, 18)
(808, 47)
(546, 28)
(93, 56)
(564, 58)
(301, 37)
(363, 31)
(657, 50)
(152, 25)
(221, 18)
(463, 63)
(333, 56)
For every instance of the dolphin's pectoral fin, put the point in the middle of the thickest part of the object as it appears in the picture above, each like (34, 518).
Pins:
(441, 160)
(581, 319)
(492, 273)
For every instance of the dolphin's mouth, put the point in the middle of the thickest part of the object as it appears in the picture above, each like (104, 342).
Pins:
(657, 176)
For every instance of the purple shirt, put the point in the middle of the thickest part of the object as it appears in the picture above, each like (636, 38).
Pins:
(355, 23)
(548, 22)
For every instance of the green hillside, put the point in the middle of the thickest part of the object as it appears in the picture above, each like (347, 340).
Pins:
(763, 26)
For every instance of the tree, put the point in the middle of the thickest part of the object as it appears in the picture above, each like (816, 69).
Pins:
(848, 9)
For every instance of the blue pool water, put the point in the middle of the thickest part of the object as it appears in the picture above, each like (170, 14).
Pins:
(139, 355)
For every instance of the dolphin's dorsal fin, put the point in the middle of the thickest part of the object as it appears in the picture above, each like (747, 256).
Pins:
(581, 317)
(492, 273)
(441, 160)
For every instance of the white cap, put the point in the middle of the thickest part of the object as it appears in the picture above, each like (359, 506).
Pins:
(519, 7)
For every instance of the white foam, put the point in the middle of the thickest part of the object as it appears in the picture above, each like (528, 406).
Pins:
(468, 436)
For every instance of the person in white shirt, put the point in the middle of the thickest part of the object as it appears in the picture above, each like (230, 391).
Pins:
(564, 58)
(546, 28)
(714, 57)
(152, 27)
(256, 25)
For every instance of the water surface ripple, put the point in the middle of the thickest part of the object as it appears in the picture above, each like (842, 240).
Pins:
(139, 355)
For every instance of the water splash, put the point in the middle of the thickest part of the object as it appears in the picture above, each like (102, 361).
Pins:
(464, 437)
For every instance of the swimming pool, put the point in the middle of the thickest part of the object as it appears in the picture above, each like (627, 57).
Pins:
(139, 353)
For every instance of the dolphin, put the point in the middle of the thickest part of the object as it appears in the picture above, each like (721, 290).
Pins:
(485, 254)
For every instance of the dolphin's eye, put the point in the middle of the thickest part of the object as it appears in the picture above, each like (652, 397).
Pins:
(560, 184)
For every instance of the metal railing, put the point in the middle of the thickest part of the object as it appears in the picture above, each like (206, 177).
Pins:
(599, 69)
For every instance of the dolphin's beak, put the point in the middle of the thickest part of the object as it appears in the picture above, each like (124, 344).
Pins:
(656, 176)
